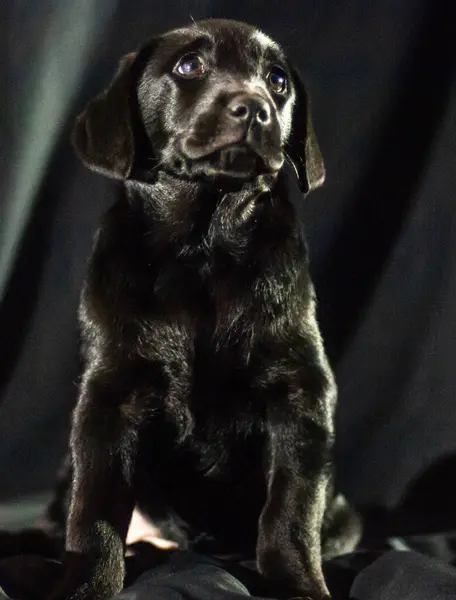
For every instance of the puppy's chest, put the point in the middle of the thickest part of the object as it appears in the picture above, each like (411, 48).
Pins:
(217, 305)
(218, 317)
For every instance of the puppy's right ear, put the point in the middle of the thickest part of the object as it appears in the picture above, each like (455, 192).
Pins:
(302, 148)
(103, 132)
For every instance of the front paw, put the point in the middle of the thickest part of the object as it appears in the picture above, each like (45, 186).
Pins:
(289, 592)
(89, 591)
(305, 593)
(104, 580)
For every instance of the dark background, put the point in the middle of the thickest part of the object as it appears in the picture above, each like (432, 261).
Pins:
(381, 232)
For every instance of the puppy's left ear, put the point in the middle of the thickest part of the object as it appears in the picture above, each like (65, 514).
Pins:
(302, 147)
(103, 132)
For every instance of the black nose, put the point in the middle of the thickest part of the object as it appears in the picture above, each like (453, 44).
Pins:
(250, 108)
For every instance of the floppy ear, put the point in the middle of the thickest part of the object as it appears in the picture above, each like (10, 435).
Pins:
(103, 132)
(302, 147)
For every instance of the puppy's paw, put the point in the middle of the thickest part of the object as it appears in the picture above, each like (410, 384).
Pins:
(308, 591)
(307, 595)
(88, 591)
(99, 582)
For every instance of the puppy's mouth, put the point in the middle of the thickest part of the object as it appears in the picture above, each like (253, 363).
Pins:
(239, 160)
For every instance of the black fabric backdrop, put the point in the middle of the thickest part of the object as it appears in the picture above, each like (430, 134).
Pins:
(381, 232)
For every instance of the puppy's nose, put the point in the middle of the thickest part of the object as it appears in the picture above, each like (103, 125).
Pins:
(250, 108)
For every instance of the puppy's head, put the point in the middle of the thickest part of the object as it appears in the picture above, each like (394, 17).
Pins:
(217, 100)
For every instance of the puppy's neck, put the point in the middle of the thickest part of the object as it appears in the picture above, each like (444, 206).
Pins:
(175, 199)
(189, 216)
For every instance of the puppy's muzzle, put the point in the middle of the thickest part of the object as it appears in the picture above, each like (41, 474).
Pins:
(246, 120)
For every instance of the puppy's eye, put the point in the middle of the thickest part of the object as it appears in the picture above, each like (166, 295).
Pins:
(190, 65)
(278, 81)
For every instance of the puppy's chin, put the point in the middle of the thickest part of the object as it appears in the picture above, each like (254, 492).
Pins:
(233, 164)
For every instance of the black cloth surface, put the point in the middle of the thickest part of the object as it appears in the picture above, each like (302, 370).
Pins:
(186, 576)
(405, 576)
(393, 576)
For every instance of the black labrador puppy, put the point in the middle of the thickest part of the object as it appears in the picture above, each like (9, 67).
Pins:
(207, 400)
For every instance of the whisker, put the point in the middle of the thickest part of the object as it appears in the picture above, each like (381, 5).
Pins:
(155, 167)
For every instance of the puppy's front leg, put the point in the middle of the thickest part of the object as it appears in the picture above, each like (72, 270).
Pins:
(289, 534)
(103, 445)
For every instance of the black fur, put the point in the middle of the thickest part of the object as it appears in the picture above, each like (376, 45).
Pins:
(207, 399)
